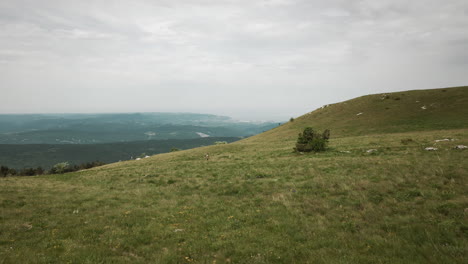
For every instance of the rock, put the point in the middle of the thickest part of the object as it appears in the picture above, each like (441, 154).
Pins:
(371, 150)
(460, 147)
(147, 156)
(358, 114)
(384, 96)
(178, 230)
(430, 148)
(138, 158)
(345, 151)
(423, 107)
(441, 140)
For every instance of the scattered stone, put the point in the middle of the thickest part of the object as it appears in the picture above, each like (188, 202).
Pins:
(430, 149)
(76, 211)
(460, 147)
(358, 114)
(423, 107)
(345, 151)
(445, 139)
(371, 150)
(384, 96)
(178, 230)
(147, 156)
(138, 158)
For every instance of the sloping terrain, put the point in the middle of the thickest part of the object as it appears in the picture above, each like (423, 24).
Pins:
(255, 201)
(419, 110)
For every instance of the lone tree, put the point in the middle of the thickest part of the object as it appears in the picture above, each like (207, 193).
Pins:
(309, 140)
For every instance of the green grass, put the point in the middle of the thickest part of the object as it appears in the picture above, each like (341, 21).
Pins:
(445, 109)
(254, 201)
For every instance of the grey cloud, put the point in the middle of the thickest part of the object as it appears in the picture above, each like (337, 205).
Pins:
(224, 56)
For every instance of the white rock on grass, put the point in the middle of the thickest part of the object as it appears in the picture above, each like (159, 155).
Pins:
(371, 150)
(430, 148)
(460, 147)
(358, 114)
(445, 139)
(138, 158)
(423, 107)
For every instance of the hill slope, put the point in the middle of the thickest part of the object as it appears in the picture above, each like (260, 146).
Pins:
(418, 110)
(255, 201)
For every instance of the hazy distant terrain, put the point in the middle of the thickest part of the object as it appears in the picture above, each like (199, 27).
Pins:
(46, 155)
(105, 128)
(32, 140)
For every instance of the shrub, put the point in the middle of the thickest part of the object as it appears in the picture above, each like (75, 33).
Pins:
(60, 168)
(4, 171)
(309, 140)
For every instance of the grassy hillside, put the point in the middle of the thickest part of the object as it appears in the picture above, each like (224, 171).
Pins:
(445, 108)
(255, 201)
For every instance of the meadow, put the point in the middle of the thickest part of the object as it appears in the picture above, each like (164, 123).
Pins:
(257, 201)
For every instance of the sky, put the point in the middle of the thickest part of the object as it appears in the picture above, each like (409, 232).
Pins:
(248, 59)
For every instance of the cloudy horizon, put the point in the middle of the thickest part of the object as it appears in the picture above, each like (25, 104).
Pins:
(245, 59)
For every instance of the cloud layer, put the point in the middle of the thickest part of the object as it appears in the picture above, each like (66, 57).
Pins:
(248, 59)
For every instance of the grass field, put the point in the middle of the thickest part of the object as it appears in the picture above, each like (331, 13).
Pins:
(255, 201)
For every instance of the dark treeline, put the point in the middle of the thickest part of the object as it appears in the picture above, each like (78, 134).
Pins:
(47, 155)
(56, 169)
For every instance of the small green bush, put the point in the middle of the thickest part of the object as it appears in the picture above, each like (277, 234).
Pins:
(59, 168)
(309, 140)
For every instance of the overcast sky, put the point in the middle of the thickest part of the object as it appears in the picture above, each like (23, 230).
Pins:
(265, 59)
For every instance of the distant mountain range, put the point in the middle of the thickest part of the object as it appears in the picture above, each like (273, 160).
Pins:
(120, 127)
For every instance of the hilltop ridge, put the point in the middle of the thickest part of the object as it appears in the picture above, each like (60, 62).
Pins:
(416, 110)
